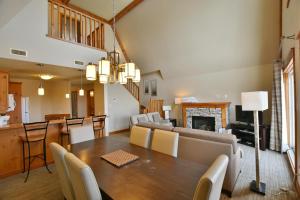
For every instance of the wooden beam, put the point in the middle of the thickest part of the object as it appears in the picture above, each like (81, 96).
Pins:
(288, 3)
(122, 47)
(87, 13)
(126, 10)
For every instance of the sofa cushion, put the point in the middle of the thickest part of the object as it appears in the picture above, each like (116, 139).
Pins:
(208, 135)
(142, 119)
(134, 118)
(156, 117)
(155, 126)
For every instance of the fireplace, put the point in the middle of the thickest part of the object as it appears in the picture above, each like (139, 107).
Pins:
(203, 123)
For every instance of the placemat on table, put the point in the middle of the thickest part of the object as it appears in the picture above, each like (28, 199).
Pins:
(119, 158)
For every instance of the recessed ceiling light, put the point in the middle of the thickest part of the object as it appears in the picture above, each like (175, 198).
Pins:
(46, 76)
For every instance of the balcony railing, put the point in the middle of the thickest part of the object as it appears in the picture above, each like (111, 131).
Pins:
(70, 25)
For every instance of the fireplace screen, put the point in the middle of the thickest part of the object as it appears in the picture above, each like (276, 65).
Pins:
(203, 123)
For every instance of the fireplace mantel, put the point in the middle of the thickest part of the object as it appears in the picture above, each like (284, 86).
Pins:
(222, 107)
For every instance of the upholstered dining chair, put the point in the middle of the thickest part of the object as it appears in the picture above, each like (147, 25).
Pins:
(210, 184)
(58, 153)
(81, 134)
(140, 136)
(165, 142)
(82, 178)
(71, 122)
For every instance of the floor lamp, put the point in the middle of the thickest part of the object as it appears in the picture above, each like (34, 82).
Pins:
(256, 101)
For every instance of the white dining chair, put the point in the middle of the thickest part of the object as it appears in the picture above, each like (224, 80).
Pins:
(140, 136)
(81, 134)
(58, 153)
(165, 142)
(83, 179)
(210, 184)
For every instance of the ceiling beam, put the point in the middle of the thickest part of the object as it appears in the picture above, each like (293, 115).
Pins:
(126, 10)
(122, 47)
(288, 3)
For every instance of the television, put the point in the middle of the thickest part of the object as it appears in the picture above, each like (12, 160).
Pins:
(247, 116)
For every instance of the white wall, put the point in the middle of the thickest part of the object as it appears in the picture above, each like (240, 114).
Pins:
(120, 106)
(219, 86)
(27, 30)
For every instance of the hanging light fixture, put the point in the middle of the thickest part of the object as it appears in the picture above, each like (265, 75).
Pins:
(110, 69)
(41, 91)
(104, 67)
(91, 73)
(137, 76)
(92, 93)
(68, 90)
(81, 91)
(67, 96)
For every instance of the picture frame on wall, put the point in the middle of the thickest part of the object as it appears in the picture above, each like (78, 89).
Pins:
(146, 87)
(154, 88)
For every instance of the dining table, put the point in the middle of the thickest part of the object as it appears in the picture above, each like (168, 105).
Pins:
(153, 176)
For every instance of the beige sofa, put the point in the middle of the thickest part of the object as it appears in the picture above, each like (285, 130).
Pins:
(153, 118)
(204, 147)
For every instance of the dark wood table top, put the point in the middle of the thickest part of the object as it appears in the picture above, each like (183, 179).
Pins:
(153, 176)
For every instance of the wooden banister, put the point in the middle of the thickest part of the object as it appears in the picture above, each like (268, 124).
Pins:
(68, 24)
(133, 89)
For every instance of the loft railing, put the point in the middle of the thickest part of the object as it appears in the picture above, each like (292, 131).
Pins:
(70, 25)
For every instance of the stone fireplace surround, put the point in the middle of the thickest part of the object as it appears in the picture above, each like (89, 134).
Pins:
(218, 110)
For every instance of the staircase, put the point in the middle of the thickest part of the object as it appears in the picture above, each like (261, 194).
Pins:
(133, 89)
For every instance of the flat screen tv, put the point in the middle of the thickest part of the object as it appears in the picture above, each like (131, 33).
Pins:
(247, 116)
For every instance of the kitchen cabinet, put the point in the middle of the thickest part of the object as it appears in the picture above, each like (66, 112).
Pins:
(3, 92)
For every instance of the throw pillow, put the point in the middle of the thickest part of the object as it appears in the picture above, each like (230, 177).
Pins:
(156, 117)
(142, 119)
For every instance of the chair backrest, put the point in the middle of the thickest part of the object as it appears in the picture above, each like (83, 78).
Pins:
(35, 127)
(58, 153)
(81, 134)
(140, 136)
(74, 122)
(165, 142)
(82, 178)
(210, 184)
(99, 121)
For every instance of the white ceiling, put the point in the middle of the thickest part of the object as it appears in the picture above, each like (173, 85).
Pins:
(102, 8)
(30, 70)
(201, 36)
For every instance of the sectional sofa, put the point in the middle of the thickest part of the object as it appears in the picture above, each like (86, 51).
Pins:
(204, 147)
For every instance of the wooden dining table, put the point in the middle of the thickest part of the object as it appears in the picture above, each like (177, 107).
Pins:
(153, 176)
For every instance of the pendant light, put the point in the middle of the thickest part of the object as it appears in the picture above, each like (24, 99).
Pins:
(137, 77)
(129, 70)
(103, 79)
(41, 91)
(68, 94)
(122, 79)
(104, 67)
(91, 72)
(81, 91)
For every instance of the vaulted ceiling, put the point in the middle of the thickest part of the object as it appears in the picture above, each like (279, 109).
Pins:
(201, 36)
(102, 8)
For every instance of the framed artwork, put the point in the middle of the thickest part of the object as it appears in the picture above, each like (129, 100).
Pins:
(153, 88)
(146, 87)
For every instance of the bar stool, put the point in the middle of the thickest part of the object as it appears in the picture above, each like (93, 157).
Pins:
(99, 124)
(66, 129)
(34, 132)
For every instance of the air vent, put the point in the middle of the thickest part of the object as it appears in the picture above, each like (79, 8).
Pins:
(77, 62)
(18, 52)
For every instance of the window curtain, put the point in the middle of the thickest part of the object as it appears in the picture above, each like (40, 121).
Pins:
(276, 122)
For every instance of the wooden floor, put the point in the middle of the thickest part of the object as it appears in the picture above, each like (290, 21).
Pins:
(275, 173)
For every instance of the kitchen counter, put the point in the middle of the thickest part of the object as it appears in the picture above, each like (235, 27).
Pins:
(11, 146)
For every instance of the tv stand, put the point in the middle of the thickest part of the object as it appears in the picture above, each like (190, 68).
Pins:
(245, 133)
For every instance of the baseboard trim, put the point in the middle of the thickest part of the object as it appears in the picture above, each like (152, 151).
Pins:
(119, 131)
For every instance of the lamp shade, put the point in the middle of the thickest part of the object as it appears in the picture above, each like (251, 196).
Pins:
(122, 78)
(91, 72)
(81, 92)
(67, 96)
(104, 67)
(41, 91)
(178, 100)
(167, 108)
(103, 79)
(137, 77)
(129, 70)
(255, 101)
